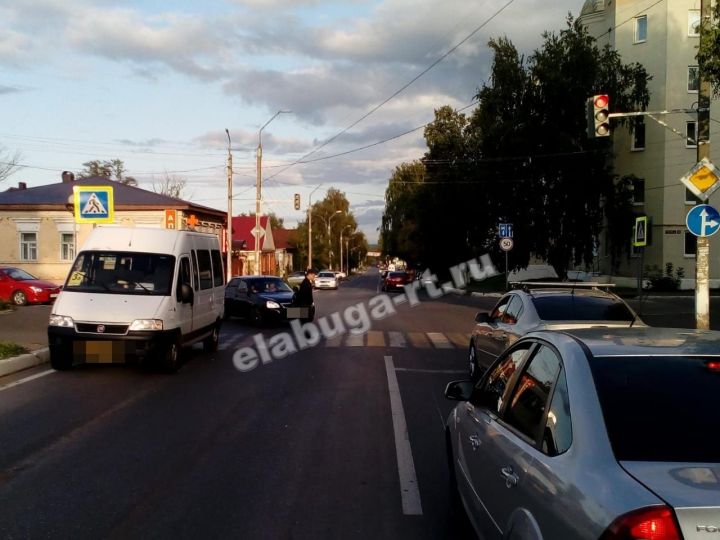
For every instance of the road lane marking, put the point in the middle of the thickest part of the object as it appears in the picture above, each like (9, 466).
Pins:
(354, 340)
(409, 491)
(397, 339)
(375, 339)
(27, 379)
(418, 340)
(333, 341)
(459, 339)
(449, 371)
(439, 340)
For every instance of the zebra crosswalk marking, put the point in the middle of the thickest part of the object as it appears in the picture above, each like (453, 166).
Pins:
(334, 341)
(459, 339)
(439, 340)
(418, 340)
(354, 340)
(375, 338)
(397, 339)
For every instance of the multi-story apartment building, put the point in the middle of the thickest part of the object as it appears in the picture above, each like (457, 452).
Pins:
(663, 36)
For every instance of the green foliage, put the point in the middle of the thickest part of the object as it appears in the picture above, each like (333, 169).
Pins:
(326, 219)
(668, 280)
(708, 55)
(112, 169)
(523, 156)
(8, 350)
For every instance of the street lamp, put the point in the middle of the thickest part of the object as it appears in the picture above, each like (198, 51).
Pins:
(341, 245)
(330, 253)
(258, 196)
(230, 209)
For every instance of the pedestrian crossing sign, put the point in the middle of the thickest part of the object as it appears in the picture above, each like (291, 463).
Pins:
(640, 233)
(93, 204)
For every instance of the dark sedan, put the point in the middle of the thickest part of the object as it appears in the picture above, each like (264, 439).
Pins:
(263, 299)
(20, 287)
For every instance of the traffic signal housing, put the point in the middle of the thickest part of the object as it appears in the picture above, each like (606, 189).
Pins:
(598, 116)
(297, 201)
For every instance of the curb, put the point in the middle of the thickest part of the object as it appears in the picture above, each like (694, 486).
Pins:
(489, 294)
(9, 366)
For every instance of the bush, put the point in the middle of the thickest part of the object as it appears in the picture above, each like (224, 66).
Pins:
(669, 280)
(8, 350)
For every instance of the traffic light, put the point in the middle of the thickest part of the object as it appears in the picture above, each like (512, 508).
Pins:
(297, 201)
(598, 116)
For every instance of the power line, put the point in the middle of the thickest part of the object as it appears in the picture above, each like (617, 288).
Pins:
(607, 32)
(401, 89)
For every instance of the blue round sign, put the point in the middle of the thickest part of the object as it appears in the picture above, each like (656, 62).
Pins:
(703, 220)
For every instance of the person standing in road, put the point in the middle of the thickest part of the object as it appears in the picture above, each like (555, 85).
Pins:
(305, 293)
(304, 296)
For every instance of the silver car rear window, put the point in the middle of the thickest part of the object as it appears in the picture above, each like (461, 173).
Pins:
(660, 408)
(570, 307)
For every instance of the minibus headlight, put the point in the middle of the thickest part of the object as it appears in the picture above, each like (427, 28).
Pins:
(62, 321)
(146, 324)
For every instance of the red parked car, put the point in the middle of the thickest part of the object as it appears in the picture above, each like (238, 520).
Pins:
(20, 287)
(395, 281)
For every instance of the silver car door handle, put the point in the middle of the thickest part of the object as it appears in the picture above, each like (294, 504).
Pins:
(511, 479)
(474, 441)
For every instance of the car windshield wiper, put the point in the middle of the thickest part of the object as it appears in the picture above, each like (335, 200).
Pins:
(90, 280)
(132, 283)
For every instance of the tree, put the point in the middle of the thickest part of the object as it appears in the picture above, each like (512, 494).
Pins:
(708, 55)
(332, 211)
(169, 185)
(112, 169)
(9, 163)
(398, 231)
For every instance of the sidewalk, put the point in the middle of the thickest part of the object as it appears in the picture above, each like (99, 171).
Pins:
(25, 326)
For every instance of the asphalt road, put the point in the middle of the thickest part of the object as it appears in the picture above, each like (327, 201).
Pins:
(312, 445)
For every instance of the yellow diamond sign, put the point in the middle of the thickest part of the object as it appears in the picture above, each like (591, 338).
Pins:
(702, 179)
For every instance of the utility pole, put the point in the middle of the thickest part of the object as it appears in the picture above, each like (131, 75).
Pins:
(230, 210)
(309, 211)
(258, 194)
(702, 255)
(341, 245)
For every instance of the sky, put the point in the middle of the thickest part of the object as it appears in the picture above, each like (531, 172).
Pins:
(157, 83)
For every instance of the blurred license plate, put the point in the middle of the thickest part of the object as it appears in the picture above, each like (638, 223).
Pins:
(53, 295)
(297, 313)
(100, 352)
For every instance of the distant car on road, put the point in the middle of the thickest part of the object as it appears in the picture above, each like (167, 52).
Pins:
(340, 275)
(326, 280)
(263, 299)
(394, 281)
(539, 306)
(21, 287)
(296, 278)
(591, 433)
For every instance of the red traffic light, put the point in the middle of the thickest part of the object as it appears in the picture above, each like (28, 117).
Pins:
(602, 101)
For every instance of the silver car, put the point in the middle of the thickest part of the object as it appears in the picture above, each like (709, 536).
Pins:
(592, 433)
(538, 306)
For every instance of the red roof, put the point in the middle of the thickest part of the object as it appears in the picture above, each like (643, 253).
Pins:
(242, 233)
(285, 238)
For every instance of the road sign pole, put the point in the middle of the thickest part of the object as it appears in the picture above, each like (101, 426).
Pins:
(641, 266)
(506, 271)
(702, 284)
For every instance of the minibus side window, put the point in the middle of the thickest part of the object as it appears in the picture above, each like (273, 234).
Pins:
(183, 276)
(196, 278)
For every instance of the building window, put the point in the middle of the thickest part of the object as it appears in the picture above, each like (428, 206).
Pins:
(638, 136)
(694, 23)
(690, 244)
(691, 134)
(638, 186)
(693, 79)
(641, 29)
(690, 197)
(28, 246)
(67, 246)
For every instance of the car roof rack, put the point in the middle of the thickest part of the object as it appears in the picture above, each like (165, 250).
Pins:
(527, 285)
